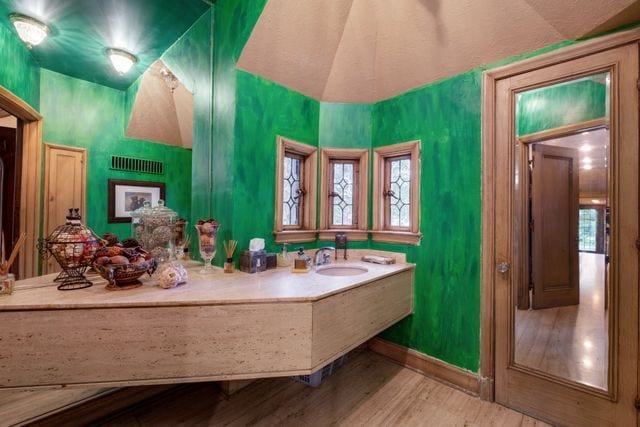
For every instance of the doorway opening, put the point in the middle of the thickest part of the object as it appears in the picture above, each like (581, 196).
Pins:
(561, 321)
(10, 177)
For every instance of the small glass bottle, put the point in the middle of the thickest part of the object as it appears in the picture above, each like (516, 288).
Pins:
(7, 282)
(228, 265)
(284, 259)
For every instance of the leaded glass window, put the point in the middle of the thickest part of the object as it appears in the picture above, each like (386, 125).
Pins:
(587, 230)
(398, 193)
(292, 190)
(343, 193)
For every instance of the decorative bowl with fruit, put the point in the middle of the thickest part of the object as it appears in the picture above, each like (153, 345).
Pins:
(122, 267)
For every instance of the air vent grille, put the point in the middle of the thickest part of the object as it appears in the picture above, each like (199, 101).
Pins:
(131, 164)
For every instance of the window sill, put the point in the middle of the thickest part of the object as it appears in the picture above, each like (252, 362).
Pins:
(295, 236)
(403, 237)
(352, 235)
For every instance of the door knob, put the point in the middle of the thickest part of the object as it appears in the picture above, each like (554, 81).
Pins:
(503, 267)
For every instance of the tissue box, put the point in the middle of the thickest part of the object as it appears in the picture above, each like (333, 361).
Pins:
(253, 261)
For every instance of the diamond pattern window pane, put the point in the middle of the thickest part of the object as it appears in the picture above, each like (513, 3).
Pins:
(400, 198)
(343, 197)
(291, 197)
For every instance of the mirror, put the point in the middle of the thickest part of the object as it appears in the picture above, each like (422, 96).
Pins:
(562, 207)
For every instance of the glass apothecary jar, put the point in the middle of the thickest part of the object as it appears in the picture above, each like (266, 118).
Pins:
(137, 230)
(157, 231)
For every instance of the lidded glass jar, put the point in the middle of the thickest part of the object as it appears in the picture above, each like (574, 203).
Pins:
(137, 230)
(157, 228)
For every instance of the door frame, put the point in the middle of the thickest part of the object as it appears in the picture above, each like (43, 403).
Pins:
(30, 183)
(489, 131)
(83, 204)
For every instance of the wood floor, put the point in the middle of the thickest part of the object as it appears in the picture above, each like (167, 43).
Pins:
(368, 390)
(570, 342)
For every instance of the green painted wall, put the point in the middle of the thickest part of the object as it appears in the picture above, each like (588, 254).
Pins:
(561, 105)
(233, 22)
(345, 125)
(83, 114)
(264, 111)
(446, 117)
(19, 73)
(190, 58)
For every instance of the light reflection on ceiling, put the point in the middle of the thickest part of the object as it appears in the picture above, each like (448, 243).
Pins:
(82, 30)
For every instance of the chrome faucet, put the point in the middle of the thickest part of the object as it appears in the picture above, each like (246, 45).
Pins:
(322, 256)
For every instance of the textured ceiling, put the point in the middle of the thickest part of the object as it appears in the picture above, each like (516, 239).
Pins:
(159, 114)
(370, 50)
(82, 30)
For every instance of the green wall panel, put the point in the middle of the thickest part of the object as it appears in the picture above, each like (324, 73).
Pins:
(82, 114)
(190, 58)
(233, 22)
(345, 125)
(561, 105)
(19, 72)
(446, 118)
(264, 111)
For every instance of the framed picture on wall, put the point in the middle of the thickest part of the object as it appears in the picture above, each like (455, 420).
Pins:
(125, 196)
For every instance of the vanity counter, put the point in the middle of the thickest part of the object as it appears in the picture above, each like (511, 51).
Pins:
(218, 327)
(277, 285)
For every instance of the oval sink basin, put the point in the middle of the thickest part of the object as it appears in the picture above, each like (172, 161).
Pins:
(341, 270)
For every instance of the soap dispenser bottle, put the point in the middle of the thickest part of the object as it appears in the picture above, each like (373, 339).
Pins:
(302, 262)
(284, 259)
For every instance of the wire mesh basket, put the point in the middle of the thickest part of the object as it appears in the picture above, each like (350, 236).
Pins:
(73, 245)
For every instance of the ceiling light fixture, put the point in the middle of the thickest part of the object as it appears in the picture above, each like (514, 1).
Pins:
(585, 148)
(122, 60)
(170, 79)
(587, 160)
(30, 30)
(587, 167)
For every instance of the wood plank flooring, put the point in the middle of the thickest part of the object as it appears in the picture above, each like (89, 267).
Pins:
(569, 342)
(368, 390)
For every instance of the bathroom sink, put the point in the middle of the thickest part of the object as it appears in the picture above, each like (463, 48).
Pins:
(341, 270)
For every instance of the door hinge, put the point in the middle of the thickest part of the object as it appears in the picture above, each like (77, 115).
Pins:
(531, 226)
(638, 244)
(637, 404)
(638, 83)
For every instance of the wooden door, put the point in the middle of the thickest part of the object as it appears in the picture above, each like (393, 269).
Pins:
(555, 204)
(11, 156)
(64, 188)
(554, 397)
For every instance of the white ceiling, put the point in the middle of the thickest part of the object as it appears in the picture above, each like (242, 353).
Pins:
(368, 50)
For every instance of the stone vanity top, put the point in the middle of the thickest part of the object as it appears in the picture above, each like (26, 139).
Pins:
(278, 285)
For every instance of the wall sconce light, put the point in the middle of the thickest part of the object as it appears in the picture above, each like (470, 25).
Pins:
(122, 61)
(30, 30)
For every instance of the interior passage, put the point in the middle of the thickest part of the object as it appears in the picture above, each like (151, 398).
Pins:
(569, 342)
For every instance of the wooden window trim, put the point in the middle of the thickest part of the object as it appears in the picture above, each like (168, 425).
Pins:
(306, 231)
(380, 231)
(327, 155)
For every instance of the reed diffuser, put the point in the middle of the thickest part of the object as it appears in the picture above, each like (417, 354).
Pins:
(229, 248)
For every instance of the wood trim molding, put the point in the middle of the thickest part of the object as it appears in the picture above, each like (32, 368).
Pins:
(428, 366)
(378, 232)
(567, 130)
(17, 107)
(362, 156)
(352, 235)
(396, 237)
(30, 197)
(307, 231)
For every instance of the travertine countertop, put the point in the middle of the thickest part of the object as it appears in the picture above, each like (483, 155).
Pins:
(279, 285)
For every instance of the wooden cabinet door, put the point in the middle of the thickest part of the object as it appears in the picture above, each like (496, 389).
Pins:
(555, 208)
(65, 187)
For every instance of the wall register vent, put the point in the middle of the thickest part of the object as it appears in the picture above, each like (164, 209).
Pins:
(131, 164)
